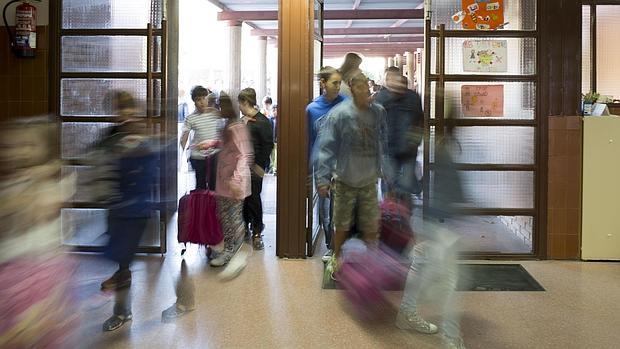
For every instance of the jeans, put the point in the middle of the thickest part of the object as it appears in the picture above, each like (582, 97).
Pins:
(434, 273)
(405, 181)
(326, 212)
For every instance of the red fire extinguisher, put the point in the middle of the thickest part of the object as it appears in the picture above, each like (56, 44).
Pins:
(24, 42)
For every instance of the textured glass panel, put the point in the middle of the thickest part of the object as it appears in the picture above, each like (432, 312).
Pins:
(78, 137)
(493, 145)
(433, 99)
(519, 99)
(102, 14)
(520, 14)
(85, 227)
(156, 98)
(87, 97)
(88, 227)
(586, 64)
(80, 194)
(608, 50)
(104, 54)
(520, 57)
(157, 54)
(495, 189)
(499, 234)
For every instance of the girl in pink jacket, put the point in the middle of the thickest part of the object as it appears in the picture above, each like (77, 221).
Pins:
(233, 179)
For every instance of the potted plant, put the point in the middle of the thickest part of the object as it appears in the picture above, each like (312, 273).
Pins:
(588, 100)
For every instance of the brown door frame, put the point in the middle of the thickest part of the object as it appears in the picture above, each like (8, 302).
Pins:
(295, 58)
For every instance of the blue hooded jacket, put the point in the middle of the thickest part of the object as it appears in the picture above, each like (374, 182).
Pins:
(314, 111)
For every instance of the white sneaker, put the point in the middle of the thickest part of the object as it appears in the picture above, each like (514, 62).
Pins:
(222, 259)
(413, 321)
(235, 266)
(327, 256)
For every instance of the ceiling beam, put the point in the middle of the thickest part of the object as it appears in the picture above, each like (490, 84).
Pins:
(223, 7)
(356, 5)
(328, 15)
(370, 49)
(379, 45)
(370, 53)
(351, 31)
(363, 40)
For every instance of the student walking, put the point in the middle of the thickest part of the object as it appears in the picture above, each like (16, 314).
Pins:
(353, 149)
(206, 124)
(330, 80)
(233, 179)
(262, 140)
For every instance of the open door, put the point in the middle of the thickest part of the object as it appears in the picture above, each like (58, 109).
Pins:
(313, 229)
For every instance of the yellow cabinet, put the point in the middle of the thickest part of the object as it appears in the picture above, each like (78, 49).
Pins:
(600, 231)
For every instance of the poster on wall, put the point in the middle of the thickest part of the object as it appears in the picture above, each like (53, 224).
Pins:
(482, 100)
(481, 14)
(485, 56)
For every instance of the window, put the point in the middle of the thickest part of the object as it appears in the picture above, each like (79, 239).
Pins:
(600, 50)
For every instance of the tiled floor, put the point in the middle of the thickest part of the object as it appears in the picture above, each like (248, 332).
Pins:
(278, 303)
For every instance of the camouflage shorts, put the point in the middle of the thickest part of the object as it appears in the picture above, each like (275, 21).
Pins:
(347, 199)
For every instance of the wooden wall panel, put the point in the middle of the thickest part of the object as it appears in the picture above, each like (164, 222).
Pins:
(24, 82)
(564, 188)
(295, 43)
(559, 66)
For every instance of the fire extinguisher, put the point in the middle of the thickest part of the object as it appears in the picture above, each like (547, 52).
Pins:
(24, 42)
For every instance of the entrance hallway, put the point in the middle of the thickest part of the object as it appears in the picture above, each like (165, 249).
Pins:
(279, 303)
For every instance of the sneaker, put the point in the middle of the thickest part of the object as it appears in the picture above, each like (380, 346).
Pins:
(120, 279)
(257, 242)
(413, 321)
(115, 322)
(331, 268)
(452, 342)
(175, 311)
(235, 266)
(327, 256)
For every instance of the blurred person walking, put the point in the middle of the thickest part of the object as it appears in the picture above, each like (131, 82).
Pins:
(352, 148)
(330, 80)
(435, 255)
(35, 277)
(405, 119)
(132, 156)
(206, 124)
(349, 68)
(233, 179)
(262, 141)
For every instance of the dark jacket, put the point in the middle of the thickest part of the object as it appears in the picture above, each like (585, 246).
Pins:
(262, 139)
(404, 121)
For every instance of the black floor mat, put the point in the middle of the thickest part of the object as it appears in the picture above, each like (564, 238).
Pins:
(483, 277)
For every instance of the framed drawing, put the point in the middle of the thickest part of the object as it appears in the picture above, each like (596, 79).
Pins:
(482, 100)
(485, 56)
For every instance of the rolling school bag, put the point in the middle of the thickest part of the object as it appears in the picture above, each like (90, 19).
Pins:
(197, 221)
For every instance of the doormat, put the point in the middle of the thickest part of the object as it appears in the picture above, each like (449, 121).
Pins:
(481, 277)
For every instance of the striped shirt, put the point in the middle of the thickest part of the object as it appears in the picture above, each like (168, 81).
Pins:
(206, 126)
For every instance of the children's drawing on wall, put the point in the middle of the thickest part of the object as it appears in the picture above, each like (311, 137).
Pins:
(485, 56)
(482, 100)
(481, 15)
